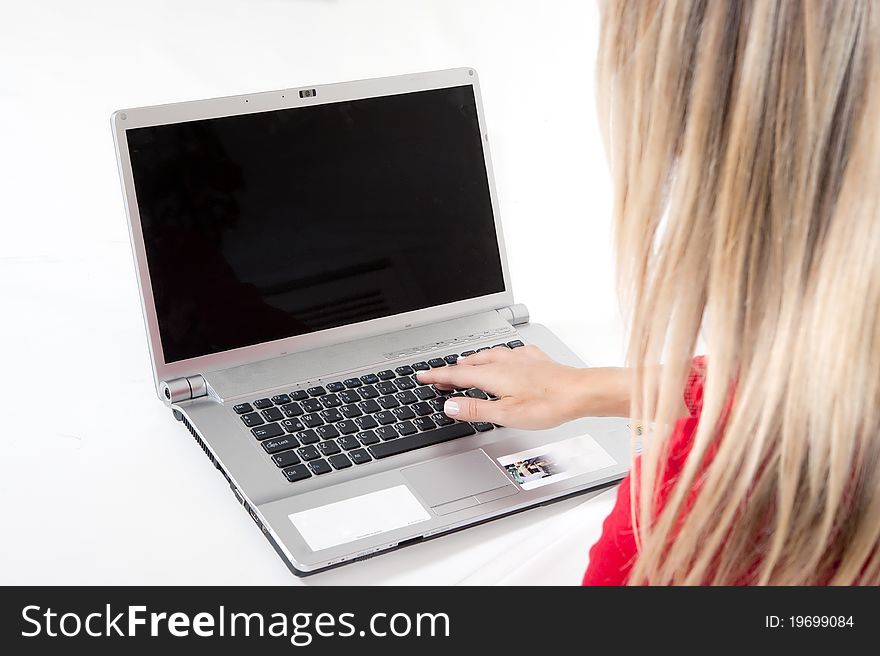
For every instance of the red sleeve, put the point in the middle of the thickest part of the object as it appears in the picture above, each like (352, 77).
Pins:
(613, 555)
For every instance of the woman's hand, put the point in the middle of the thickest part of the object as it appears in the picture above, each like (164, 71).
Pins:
(533, 391)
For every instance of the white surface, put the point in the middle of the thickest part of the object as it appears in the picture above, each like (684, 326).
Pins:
(359, 517)
(99, 484)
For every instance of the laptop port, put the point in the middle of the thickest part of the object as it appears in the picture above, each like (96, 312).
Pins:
(254, 517)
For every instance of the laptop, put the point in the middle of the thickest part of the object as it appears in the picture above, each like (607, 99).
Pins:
(300, 255)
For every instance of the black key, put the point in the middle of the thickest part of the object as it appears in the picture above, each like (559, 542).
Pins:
(404, 371)
(328, 448)
(476, 394)
(292, 425)
(262, 404)
(267, 431)
(320, 467)
(311, 420)
(349, 442)
(406, 397)
(385, 417)
(483, 426)
(350, 411)
(331, 416)
(311, 405)
(386, 432)
(352, 382)
(297, 473)
(464, 354)
(252, 419)
(366, 423)
(273, 414)
(335, 387)
(280, 444)
(437, 362)
(404, 383)
(370, 379)
(428, 438)
(422, 408)
(307, 437)
(425, 424)
(368, 407)
(424, 393)
(340, 461)
(515, 343)
(441, 419)
(331, 401)
(350, 396)
(285, 459)
(386, 374)
(421, 366)
(368, 437)
(484, 348)
(451, 359)
(438, 403)
(317, 390)
(298, 395)
(368, 392)
(386, 387)
(347, 427)
(499, 346)
(310, 452)
(327, 432)
(280, 399)
(416, 381)
(403, 413)
(242, 408)
(359, 456)
(292, 409)
(405, 428)
(388, 402)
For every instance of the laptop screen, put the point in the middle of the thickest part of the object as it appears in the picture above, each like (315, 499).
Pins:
(280, 223)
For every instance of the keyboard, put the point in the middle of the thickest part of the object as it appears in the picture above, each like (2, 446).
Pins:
(347, 423)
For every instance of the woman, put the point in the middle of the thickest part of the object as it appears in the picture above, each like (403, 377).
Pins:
(744, 147)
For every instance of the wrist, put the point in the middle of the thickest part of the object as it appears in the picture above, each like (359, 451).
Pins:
(597, 392)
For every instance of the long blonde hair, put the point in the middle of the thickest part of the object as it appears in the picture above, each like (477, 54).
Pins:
(744, 144)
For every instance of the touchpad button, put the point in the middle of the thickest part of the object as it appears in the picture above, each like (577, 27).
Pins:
(462, 478)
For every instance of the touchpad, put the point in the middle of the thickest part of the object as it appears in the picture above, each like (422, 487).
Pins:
(460, 481)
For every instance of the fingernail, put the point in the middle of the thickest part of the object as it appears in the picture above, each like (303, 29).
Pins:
(451, 408)
(419, 374)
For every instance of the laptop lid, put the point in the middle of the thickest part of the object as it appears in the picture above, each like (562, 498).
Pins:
(278, 222)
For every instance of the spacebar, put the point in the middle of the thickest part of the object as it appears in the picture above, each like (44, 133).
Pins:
(404, 444)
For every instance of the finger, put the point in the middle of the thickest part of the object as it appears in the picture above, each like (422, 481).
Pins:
(460, 376)
(468, 409)
(485, 357)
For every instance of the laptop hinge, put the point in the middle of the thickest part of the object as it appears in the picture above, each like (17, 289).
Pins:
(515, 314)
(183, 389)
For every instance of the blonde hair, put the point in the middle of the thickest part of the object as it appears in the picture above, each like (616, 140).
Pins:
(744, 145)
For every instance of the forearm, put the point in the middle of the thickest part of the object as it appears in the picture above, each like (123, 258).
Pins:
(607, 392)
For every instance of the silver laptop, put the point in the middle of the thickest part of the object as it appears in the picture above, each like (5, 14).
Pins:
(300, 254)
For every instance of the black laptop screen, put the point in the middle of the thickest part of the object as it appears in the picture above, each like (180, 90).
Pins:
(274, 224)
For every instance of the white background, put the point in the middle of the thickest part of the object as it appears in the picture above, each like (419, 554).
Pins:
(97, 483)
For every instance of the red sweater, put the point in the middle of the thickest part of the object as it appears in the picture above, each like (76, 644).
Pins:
(612, 557)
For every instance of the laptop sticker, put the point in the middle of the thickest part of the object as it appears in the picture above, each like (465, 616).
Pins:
(359, 517)
(555, 462)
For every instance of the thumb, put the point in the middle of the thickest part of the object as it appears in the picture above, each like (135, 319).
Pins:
(465, 408)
